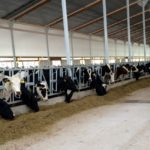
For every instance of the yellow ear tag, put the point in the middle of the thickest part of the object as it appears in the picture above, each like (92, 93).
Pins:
(22, 81)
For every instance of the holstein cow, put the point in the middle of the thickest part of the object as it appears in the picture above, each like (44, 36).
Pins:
(121, 71)
(107, 74)
(147, 67)
(29, 98)
(124, 70)
(83, 74)
(136, 72)
(41, 87)
(98, 85)
(5, 110)
(67, 85)
(13, 84)
(142, 68)
(42, 90)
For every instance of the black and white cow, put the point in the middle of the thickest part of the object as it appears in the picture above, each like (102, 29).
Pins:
(121, 72)
(83, 74)
(107, 74)
(98, 85)
(29, 98)
(5, 110)
(11, 84)
(142, 68)
(128, 69)
(42, 90)
(147, 67)
(40, 85)
(136, 72)
(67, 85)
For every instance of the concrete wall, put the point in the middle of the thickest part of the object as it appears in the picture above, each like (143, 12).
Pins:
(5, 43)
(31, 41)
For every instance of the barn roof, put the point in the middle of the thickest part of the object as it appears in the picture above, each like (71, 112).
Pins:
(85, 16)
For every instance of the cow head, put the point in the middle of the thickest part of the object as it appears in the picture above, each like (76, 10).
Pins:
(42, 90)
(12, 84)
(107, 74)
(134, 68)
(121, 72)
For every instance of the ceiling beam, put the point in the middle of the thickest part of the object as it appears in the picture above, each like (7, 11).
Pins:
(133, 39)
(140, 37)
(101, 18)
(132, 32)
(25, 9)
(147, 39)
(51, 24)
(119, 22)
(123, 29)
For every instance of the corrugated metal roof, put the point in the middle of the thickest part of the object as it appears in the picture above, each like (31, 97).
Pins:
(87, 19)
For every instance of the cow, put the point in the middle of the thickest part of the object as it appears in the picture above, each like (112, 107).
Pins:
(42, 90)
(136, 72)
(121, 71)
(5, 110)
(98, 85)
(29, 98)
(129, 69)
(66, 85)
(147, 67)
(83, 74)
(11, 84)
(41, 86)
(14, 84)
(107, 74)
(142, 68)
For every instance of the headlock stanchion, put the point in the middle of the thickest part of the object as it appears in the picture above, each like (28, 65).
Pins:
(80, 74)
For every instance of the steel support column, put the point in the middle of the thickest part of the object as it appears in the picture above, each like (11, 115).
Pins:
(71, 44)
(129, 32)
(144, 30)
(106, 52)
(47, 45)
(13, 43)
(66, 32)
(115, 49)
(90, 45)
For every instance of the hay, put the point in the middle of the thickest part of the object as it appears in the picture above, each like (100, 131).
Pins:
(31, 123)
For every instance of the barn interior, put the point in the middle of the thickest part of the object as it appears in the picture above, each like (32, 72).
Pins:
(34, 32)
(49, 39)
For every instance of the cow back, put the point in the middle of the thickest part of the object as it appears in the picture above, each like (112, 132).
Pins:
(5, 110)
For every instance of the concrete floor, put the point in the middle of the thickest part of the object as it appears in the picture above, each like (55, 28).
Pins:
(122, 126)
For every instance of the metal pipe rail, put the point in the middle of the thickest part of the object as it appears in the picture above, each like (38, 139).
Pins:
(52, 74)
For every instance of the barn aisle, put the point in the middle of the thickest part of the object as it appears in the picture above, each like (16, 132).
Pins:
(122, 126)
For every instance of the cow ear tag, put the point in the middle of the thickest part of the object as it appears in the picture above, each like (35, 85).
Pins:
(22, 81)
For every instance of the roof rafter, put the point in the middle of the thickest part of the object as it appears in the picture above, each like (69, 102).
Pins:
(74, 13)
(118, 22)
(141, 40)
(101, 18)
(123, 29)
(138, 36)
(23, 10)
(133, 32)
(133, 39)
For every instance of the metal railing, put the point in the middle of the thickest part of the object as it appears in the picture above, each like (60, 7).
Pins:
(52, 74)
